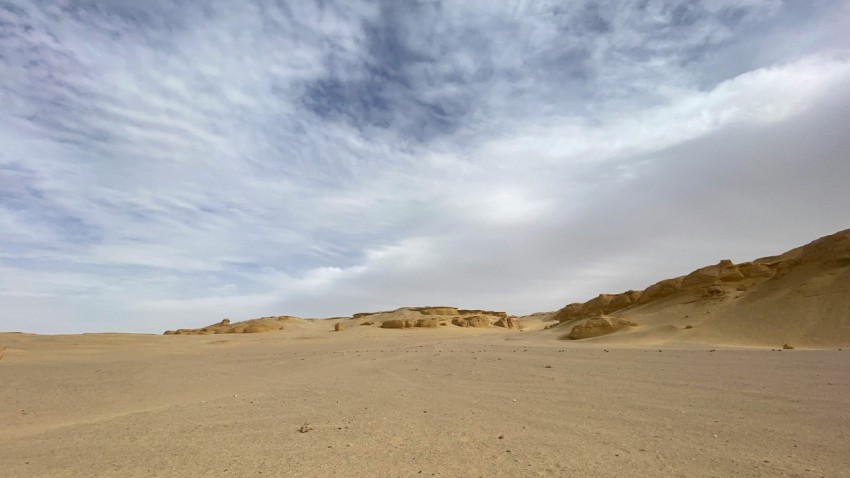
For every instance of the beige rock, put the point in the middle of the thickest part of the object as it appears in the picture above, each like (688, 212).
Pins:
(427, 323)
(661, 289)
(508, 323)
(701, 277)
(599, 326)
(397, 324)
(493, 313)
(338, 327)
(569, 312)
(436, 310)
(729, 272)
(597, 304)
(634, 295)
(620, 301)
(472, 321)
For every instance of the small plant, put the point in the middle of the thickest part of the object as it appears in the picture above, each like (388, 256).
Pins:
(787, 347)
(689, 326)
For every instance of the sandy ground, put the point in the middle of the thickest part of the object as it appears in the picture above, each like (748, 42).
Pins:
(450, 403)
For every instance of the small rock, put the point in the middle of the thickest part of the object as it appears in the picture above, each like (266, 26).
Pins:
(305, 428)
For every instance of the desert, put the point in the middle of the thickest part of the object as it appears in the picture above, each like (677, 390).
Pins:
(432, 238)
(689, 384)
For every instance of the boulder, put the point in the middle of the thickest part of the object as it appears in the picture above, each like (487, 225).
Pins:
(338, 327)
(508, 323)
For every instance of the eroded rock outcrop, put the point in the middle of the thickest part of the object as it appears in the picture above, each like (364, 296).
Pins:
(398, 324)
(661, 289)
(599, 326)
(715, 282)
(253, 326)
(493, 313)
(436, 310)
(472, 321)
(410, 323)
(508, 323)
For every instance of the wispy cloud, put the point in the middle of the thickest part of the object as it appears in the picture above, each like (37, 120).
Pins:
(176, 162)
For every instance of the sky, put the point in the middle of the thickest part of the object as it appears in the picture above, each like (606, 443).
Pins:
(167, 164)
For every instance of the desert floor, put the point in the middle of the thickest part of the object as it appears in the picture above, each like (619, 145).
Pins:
(450, 403)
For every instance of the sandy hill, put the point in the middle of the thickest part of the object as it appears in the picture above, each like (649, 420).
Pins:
(801, 297)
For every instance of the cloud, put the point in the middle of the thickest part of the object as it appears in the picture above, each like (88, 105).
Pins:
(176, 163)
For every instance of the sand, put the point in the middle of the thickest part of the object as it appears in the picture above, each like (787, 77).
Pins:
(450, 402)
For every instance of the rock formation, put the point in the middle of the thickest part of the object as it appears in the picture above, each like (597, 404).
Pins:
(436, 310)
(410, 323)
(263, 324)
(802, 293)
(599, 326)
(472, 321)
(508, 323)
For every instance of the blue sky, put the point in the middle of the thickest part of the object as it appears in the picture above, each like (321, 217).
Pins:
(167, 164)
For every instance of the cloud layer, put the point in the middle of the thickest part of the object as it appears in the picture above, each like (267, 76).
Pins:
(172, 163)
